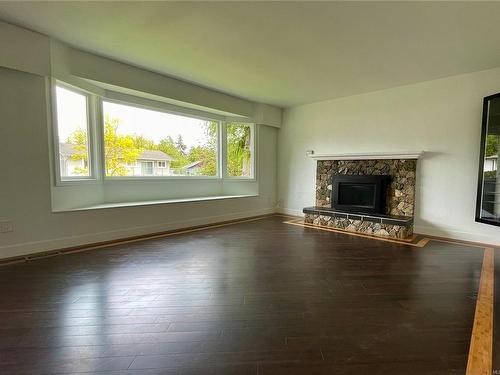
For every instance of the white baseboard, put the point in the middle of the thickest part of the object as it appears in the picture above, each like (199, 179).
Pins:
(289, 211)
(92, 238)
(455, 234)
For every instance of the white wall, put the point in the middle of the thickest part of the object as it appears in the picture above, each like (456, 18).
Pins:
(25, 184)
(24, 49)
(442, 117)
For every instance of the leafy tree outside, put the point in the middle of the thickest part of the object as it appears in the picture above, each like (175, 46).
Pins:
(491, 150)
(79, 139)
(491, 145)
(169, 147)
(120, 150)
(238, 150)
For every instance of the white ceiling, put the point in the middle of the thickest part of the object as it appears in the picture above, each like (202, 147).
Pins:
(283, 53)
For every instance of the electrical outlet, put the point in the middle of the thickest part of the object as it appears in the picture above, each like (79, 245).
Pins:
(6, 226)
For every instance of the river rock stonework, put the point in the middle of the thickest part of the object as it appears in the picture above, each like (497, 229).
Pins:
(359, 226)
(400, 194)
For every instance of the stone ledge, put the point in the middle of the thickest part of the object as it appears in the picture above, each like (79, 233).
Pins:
(361, 226)
(404, 221)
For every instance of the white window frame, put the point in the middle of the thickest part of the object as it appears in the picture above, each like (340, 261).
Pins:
(95, 131)
(162, 164)
(253, 152)
(163, 110)
(91, 102)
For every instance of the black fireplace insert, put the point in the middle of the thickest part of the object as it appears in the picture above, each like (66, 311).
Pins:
(361, 194)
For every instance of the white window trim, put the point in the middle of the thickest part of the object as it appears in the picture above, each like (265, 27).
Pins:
(95, 129)
(94, 175)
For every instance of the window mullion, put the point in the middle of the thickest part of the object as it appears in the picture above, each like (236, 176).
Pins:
(223, 150)
(253, 149)
(93, 149)
(55, 133)
(100, 136)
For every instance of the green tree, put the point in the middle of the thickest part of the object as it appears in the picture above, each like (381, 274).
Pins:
(170, 147)
(492, 145)
(118, 149)
(180, 145)
(79, 139)
(122, 149)
(207, 156)
(144, 143)
(211, 134)
(207, 152)
(238, 149)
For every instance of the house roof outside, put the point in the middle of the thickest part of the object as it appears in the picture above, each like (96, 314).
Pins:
(193, 164)
(154, 155)
(68, 149)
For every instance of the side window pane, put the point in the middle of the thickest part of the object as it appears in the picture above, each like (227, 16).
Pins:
(489, 208)
(72, 130)
(239, 150)
(147, 143)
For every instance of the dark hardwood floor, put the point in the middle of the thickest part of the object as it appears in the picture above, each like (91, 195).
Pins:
(259, 297)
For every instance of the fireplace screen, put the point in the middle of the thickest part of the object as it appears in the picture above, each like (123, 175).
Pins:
(362, 194)
(357, 194)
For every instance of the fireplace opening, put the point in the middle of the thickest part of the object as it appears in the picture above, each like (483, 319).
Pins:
(361, 194)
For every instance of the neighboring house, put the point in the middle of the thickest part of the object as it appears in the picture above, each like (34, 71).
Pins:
(149, 163)
(491, 163)
(193, 169)
(69, 166)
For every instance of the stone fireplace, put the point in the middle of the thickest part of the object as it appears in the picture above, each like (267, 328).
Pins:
(394, 220)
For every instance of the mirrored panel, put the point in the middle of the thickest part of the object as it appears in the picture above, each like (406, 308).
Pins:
(488, 197)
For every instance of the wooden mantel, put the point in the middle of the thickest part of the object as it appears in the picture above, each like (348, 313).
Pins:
(367, 155)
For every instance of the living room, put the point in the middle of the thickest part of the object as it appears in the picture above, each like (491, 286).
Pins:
(249, 187)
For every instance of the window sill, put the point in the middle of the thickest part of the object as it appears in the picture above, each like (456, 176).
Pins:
(154, 202)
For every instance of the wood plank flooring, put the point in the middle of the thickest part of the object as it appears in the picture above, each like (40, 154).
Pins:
(260, 297)
(480, 350)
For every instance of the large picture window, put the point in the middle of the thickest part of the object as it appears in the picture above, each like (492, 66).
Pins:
(72, 134)
(143, 142)
(99, 138)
